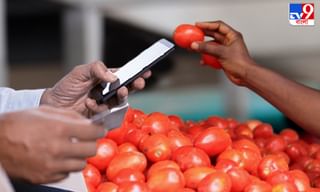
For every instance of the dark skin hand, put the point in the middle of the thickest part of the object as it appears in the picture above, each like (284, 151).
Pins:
(39, 145)
(72, 91)
(298, 102)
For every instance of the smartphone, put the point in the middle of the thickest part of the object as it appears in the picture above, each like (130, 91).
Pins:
(132, 70)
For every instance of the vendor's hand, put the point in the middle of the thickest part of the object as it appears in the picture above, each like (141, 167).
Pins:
(43, 145)
(231, 50)
(72, 92)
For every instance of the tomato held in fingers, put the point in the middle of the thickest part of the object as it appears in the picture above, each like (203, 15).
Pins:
(211, 61)
(217, 181)
(106, 150)
(167, 179)
(194, 175)
(185, 34)
(188, 157)
(213, 141)
(91, 175)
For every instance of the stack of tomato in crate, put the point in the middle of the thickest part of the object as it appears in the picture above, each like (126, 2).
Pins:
(161, 153)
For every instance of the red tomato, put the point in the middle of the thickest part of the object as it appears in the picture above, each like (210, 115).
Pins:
(239, 178)
(263, 130)
(313, 149)
(157, 148)
(217, 181)
(245, 144)
(260, 142)
(316, 182)
(178, 139)
(225, 165)
(275, 144)
(156, 167)
(300, 180)
(251, 160)
(279, 177)
(133, 159)
(91, 175)
(243, 131)
(289, 135)
(314, 190)
(284, 187)
(167, 179)
(271, 164)
(213, 141)
(185, 34)
(186, 190)
(195, 130)
(156, 123)
(232, 123)
(252, 124)
(258, 186)
(128, 175)
(211, 60)
(194, 175)
(133, 187)
(107, 187)
(176, 121)
(234, 155)
(219, 122)
(127, 147)
(313, 169)
(118, 134)
(295, 151)
(188, 157)
(135, 136)
(106, 150)
(138, 117)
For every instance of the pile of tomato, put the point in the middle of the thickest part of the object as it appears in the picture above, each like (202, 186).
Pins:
(162, 153)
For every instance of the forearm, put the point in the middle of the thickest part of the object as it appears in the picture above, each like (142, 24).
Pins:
(298, 102)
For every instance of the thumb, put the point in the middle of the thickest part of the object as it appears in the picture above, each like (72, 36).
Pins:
(211, 48)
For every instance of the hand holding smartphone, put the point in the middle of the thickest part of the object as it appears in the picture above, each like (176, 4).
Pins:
(132, 70)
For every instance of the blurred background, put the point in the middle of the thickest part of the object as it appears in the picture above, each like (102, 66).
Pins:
(41, 40)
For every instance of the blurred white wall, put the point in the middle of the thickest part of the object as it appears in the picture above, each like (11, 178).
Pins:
(3, 64)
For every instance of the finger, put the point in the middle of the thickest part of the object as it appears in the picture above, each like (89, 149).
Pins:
(122, 93)
(99, 71)
(217, 36)
(80, 149)
(61, 112)
(83, 132)
(147, 74)
(92, 105)
(220, 27)
(138, 84)
(70, 165)
(209, 48)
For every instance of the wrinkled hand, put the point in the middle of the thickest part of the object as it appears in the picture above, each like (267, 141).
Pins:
(72, 91)
(231, 50)
(36, 145)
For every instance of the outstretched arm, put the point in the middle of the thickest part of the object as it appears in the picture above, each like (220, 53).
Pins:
(298, 102)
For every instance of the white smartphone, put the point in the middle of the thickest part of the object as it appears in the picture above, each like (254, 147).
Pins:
(132, 70)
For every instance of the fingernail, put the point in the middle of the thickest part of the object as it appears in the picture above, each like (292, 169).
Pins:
(195, 45)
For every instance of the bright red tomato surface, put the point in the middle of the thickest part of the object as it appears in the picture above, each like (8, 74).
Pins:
(133, 159)
(258, 186)
(188, 157)
(127, 147)
(217, 181)
(271, 164)
(91, 175)
(263, 130)
(156, 167)
(178, 139)
(185, 34)
(213, 141)
(106, 150)
(156, 123)
(166, 180)
(157, 148)
(194, 175)
(133, 187)
(107, 187)
(211, 60)
(239, 178)
(128, 175)
(289, 135)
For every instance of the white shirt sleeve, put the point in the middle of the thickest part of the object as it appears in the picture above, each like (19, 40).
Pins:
(12, 100)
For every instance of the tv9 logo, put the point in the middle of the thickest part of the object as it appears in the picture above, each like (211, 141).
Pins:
(301, 14)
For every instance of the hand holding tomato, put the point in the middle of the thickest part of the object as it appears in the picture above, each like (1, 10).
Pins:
(229, 48)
